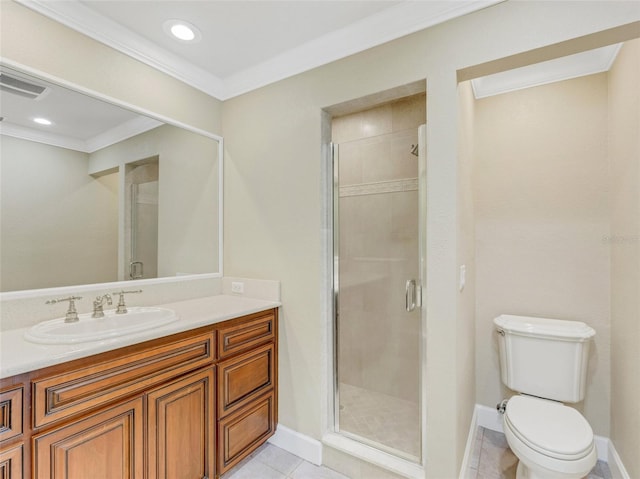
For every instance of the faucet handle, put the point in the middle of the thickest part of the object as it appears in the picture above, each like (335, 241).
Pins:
(122, 308)
(98, 305)
(101, 299)
(72, 313)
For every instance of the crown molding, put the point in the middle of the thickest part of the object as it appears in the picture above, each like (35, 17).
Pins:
(564, 68)
(390, 24)
(76, 16)
(31, 134)
(110, 137)
(126, 130)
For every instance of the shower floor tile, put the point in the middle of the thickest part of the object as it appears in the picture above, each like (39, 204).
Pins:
(383, 419)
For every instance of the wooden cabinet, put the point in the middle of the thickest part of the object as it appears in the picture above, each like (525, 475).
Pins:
(104, 445)
(238, 336)
(180, 428)
(241, 433)
(247, 386)
(60, 396)
(187, 406)
(11, 463)
(11, 421)
(245, 377)
(12, 425)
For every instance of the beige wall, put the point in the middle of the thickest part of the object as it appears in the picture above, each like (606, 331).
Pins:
(624, 242)
(274, 205)
(466, 253)
(541, 197)
(59, 224)
(188, 176)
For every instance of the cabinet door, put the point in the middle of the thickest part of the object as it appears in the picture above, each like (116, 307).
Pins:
(11, 413)
(11, 463)
(104, 445)
(181, 428)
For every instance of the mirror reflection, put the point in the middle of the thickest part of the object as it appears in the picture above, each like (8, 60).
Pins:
(93, 193)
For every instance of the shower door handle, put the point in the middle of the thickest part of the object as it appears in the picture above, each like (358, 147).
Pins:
(136, 270)
(410, 295)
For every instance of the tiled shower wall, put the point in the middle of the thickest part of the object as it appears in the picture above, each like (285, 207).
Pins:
(378, 244)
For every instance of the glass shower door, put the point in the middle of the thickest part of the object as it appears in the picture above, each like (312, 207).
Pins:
(376, 285)
(144, 231)
(141, 220)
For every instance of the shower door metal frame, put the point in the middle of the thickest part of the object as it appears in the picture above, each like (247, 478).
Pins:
(420, 287)
(335, 158)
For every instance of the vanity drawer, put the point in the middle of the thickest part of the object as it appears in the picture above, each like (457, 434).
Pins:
(244, 431)
(11, 420)
(79, 390)
(245, 377)
(246, 334)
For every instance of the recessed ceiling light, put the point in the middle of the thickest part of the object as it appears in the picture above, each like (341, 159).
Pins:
(42, 121)
(182, 31)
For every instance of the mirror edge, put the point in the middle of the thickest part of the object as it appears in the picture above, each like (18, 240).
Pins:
(32, 293)
(83, 288)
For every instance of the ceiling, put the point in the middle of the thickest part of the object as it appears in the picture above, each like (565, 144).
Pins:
(80, 122)
(247, 44)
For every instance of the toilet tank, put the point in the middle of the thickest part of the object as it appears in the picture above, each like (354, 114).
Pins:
(544, 357)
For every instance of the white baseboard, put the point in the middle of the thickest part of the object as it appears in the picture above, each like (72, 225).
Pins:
(616, 467)
(310, 449)
(489, 418)
(298, 444)
(465, 468)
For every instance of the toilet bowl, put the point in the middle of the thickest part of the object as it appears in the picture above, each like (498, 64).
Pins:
(551, 440)
(545, 361)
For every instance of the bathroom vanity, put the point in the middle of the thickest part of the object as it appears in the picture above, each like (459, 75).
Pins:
(191, 402)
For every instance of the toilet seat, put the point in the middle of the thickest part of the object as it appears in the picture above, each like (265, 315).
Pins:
(549, 428)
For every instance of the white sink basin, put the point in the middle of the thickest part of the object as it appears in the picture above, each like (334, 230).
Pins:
(113, 325)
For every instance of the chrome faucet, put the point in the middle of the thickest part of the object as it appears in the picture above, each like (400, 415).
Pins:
(72, 313)
(122, 308)
(98, 304)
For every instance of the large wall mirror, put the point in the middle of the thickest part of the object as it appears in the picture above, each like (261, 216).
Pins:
(91, 192)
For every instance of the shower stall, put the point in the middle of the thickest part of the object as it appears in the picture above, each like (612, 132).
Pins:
(141, 220)
(378, 173)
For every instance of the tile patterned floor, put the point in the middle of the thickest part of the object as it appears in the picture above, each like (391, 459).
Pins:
(492, 459)
(271, 462)
(384, 419)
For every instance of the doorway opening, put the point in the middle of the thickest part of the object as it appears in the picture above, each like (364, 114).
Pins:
(378, 170)
(141, 220)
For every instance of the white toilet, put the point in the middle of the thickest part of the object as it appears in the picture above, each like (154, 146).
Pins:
(545, 360)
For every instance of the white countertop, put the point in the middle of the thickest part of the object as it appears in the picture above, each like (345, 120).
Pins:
(19, 356)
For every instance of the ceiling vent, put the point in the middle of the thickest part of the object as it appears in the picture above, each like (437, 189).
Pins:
(22, 88)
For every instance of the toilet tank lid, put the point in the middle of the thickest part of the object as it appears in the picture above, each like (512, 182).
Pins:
(547, 327)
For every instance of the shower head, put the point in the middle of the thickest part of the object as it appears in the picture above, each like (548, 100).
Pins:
(414, 150)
